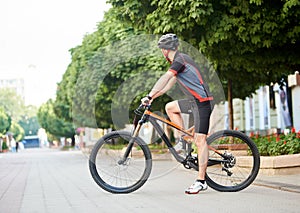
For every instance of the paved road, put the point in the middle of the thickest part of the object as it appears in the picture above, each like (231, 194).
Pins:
(45, 180)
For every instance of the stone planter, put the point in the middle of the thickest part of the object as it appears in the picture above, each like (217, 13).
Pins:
(274, 165)
(231, 146)
(280, 165)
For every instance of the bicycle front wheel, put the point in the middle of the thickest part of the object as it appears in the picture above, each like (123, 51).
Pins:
(239, 164)
(111, 171)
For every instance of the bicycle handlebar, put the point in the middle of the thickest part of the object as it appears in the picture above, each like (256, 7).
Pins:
(137, 111)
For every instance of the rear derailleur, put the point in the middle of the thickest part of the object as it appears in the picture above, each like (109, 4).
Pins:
(229, 163)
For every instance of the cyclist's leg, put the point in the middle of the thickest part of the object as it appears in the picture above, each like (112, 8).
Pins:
(173, 111)
(200, 141)
(201, 113)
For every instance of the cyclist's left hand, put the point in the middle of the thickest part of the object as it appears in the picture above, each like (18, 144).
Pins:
(146, 100)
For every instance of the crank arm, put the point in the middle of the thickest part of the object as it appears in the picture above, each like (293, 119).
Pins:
(212, 162)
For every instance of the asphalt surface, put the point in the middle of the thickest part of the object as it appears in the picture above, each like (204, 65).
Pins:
(49, 180)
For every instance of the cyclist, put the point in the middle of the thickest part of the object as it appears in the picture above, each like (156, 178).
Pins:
(199, 102)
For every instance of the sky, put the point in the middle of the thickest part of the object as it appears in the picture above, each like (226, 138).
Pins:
(35, 38)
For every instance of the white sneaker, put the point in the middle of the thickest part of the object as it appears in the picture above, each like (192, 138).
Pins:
(196, 187)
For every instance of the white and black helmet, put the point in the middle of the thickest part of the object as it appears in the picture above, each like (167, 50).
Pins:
(168, 41)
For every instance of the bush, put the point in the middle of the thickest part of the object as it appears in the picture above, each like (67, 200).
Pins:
(4, 146)
(278, 144)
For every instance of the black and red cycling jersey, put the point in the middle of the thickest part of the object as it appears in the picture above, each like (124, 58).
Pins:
(189, 76)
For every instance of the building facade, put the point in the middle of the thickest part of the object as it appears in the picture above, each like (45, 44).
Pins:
(270, 109)
(16, 84)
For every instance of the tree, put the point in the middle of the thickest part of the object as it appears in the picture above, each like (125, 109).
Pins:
(250, 42)
(12, 103)
(95, 75)
(17, 131)
(30, 125)
(29, 120)
(22, 115)
(52, 124)
(5, 121)
(241, 36)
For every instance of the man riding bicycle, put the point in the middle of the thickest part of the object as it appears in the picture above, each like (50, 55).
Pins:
(199, 103)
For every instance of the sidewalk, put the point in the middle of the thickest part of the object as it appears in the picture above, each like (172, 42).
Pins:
(290, 183)
(49, 180)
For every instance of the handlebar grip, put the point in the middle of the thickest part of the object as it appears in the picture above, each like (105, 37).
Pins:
(142, 106)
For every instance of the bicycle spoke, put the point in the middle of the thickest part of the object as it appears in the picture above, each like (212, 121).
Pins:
(239, 164)
(114, 173)
(123, 175)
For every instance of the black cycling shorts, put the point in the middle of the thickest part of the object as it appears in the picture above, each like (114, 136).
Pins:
(201, 112)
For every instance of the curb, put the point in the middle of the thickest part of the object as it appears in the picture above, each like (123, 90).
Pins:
(279, 186)
(280, 165)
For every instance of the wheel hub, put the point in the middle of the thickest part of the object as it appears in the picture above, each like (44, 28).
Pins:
(230, 160)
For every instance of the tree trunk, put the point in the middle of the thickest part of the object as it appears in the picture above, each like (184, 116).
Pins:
(230, 107)
(73, 141)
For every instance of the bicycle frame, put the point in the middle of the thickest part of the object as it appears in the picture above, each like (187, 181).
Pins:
(153, 118)
(228, 175)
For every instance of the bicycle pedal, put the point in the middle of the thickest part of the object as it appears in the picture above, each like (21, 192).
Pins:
(191, 163)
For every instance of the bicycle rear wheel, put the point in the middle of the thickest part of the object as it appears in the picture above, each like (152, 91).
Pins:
(241, 167)
(110, 172)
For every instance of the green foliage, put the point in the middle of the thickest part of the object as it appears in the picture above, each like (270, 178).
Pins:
(17, 131)
(71, 88)
(29, 121)
(30, 125)
(22, 117)
(114, 83)
(105, 60)
(278, 144)
(5, 121)
(4, 145)
(12, 103)
(249, 42)
(52, 124)
(256, 40)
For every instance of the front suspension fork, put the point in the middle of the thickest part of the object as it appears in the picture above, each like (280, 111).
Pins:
(130, 144)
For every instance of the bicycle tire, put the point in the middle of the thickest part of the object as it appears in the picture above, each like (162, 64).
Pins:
(239, 174)
(118, 178)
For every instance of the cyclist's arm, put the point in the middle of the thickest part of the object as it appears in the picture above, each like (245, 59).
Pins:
(163, 85)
